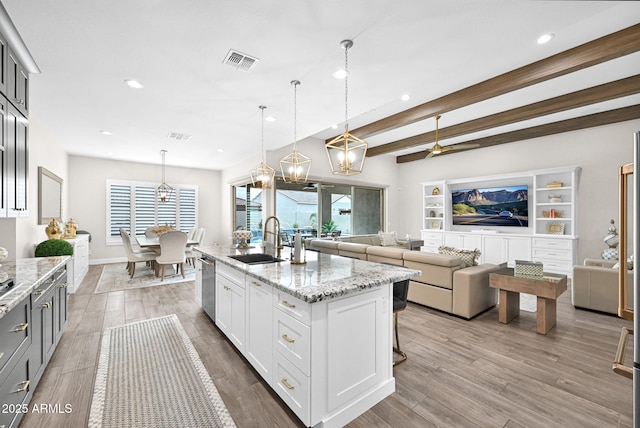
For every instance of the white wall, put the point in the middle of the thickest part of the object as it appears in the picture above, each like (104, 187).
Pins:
(599, 151)
(20, 235)
(88, 190)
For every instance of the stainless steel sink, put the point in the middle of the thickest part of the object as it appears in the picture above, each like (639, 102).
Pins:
(254, 259)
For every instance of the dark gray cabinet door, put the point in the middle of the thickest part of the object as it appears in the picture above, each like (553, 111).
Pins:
(17, 153)
(17, 83)
(3, 156)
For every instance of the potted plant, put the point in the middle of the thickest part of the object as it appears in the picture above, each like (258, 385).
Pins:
(54, 247)
(329, 227)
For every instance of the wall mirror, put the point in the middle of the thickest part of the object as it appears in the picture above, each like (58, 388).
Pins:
(49, 196)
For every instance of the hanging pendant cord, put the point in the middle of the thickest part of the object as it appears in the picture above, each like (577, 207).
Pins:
(295, 114)
(346, 87)
(262, 133)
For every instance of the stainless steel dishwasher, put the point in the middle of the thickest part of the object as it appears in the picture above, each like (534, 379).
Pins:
(207, 270)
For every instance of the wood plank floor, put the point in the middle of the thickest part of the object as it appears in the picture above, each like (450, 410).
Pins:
(477, 373)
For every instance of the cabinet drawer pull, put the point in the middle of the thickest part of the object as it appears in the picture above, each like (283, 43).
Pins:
(287, 384)
(288, 305)
(287, 338)
(21, 327)
(24, 387)
(46, 305)
(63, 285)
(39, 292)
(257, 284)
(1, 355)
(20, 101)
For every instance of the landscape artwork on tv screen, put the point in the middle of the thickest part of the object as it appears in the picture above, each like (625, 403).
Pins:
(495, 206)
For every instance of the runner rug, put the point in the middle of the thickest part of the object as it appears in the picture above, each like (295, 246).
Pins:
(150, 375)
(115, 277)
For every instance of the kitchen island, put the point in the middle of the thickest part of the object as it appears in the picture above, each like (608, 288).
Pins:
(319, 333)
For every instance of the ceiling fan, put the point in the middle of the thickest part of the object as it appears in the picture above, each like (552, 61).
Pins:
(438, 149)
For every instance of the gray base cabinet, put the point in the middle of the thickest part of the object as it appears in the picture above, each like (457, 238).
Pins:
(29, 334)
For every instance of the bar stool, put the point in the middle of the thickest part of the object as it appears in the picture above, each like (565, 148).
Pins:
(400, 293)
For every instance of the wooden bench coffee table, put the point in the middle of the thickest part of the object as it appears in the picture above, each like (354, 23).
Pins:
(547, 288)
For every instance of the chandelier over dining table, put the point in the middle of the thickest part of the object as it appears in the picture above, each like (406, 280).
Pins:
(164, 192)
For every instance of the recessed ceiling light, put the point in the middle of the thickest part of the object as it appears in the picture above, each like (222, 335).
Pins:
(334, 126)
(405, 97)
(133, 84)
(340, 74)
(270, 119)
(106, 133)
(545, 38)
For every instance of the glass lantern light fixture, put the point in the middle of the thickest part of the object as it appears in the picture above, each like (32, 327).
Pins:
(295, 166)
(164, 192)
(262, 175)
(346, 151)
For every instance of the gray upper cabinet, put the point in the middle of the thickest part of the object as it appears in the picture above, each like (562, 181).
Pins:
(4, 55)
(17, 163)
(17, 83)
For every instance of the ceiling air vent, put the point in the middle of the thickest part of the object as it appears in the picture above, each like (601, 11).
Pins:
(178, 136)
(240, 61)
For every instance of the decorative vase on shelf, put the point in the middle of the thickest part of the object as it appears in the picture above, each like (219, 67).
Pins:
(53, 230)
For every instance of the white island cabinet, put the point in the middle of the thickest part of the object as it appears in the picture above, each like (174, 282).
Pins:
(319, 334)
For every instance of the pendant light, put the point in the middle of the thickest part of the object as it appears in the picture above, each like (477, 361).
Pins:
(295, 166)
(164, 192)
(262, 175)
(346, 152)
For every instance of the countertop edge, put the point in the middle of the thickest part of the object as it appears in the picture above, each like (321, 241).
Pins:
(329, 290)
(23, 290)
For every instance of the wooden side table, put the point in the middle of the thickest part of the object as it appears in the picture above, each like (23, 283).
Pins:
(547, 289)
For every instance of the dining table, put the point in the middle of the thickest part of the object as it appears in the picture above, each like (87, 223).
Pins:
(153, 243)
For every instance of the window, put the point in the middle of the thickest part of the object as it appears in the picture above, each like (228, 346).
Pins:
(133, 206)
(248, 209)
(329, 209)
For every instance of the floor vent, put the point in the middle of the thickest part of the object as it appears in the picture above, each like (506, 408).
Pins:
(240, 61)
(178, 136)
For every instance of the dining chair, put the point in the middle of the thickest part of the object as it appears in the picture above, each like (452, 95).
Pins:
(191, 233)
(198, 236)
(172, 250)
(135, 257)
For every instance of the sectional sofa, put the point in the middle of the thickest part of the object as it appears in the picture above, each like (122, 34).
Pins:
(446, 282)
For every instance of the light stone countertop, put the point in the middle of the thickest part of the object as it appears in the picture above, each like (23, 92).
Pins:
(324, 276)
(28, 275)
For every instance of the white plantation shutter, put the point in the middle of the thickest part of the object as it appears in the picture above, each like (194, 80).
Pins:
(119, 209)
(134, 206)
(145, 208)
(187, 211)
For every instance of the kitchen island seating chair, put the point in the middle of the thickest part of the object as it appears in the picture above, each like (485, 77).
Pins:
(400, 294)
(135, 257)
(173, 245)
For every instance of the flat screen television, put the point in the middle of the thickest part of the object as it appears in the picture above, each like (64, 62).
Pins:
(491, 206)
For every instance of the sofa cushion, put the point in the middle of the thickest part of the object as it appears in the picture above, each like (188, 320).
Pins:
(388, 239)
(352, 247)
(433, 259)
(362, 239)
(326, 243)
(392, 255)
(469, 257)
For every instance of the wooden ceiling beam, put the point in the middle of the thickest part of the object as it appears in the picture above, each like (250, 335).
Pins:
(615, 45)
(583, 122)
(596, 94)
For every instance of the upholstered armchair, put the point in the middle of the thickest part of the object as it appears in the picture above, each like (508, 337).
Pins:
(595, 286)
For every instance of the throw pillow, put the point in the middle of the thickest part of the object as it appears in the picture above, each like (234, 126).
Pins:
(388, 239)
(469, 257)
